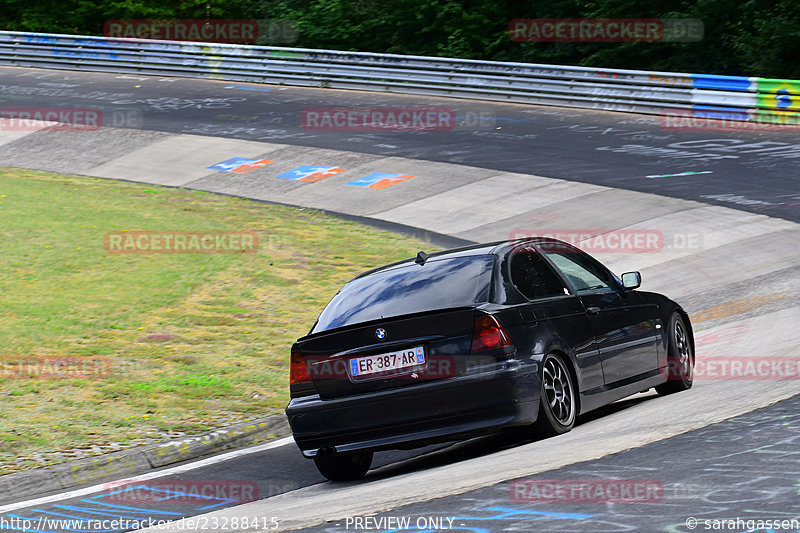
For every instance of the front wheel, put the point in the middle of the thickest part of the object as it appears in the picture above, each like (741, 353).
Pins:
(557, 407)
(346, 467)
(680, 358)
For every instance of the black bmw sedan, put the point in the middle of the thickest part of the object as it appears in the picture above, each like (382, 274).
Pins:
(442, 347)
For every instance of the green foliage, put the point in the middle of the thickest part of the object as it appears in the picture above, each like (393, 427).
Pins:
(742, 37)
(87, 16)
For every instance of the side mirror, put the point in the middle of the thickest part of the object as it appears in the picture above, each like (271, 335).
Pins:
(631, 280)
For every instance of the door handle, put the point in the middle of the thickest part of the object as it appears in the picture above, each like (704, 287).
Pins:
(592, 310)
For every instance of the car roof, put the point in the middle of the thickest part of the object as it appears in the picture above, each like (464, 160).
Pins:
(490, 248)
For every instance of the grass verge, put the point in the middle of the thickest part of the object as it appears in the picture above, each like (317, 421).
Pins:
(193, 341)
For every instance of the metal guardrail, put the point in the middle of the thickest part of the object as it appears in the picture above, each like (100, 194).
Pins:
(731, 97)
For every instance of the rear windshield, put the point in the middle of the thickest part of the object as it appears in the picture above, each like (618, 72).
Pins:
(441, 284)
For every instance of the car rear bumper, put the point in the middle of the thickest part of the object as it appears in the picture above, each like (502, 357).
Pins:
(417, 415)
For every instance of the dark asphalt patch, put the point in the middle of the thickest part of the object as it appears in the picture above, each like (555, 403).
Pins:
(746, 467)
(751, 171)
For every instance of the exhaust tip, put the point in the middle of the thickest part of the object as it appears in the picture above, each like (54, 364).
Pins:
(328, 451)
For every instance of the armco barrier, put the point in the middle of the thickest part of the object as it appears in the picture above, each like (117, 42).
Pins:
(735, 97)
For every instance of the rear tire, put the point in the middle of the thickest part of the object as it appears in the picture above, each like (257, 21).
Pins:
(557, 404)
(680, 358)
(345, 467)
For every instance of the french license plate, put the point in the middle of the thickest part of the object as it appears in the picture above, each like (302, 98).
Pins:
(387, 362)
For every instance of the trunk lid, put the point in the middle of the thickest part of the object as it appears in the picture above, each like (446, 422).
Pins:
(389, 353)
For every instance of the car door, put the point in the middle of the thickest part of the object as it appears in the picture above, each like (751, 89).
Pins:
(551, 302)
(623, 325)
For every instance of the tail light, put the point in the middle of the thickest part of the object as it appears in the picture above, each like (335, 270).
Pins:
(489, 334)
(298, 371)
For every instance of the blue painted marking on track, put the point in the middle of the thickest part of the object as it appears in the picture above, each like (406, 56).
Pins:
(44, 519)
(511, 512)
(99, 512)
(303, 171)
(165, 498)
(170, 495)
(216, 504)
(126, 509)
(132, 488)
(79, 518)
(83, 516)
(23, 528)
(230, 164)
(90, 511)
(372, 179)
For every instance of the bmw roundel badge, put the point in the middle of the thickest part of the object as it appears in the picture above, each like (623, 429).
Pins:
(380, 333)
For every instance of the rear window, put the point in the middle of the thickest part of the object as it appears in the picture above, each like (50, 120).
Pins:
(438, 284)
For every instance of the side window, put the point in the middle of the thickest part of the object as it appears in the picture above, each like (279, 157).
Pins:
(583, 272)
(533, 276)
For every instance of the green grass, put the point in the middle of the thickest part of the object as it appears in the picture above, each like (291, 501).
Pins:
(194, 341)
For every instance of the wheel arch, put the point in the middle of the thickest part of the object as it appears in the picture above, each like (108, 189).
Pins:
(567, 360)
(686, 322)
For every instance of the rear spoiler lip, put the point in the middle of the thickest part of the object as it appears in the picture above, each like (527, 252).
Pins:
(379, 321)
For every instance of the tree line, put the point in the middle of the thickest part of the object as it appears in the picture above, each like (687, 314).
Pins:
(741, 37)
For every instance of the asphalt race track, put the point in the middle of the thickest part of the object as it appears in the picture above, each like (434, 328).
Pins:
(746, 468)
(748, 170)
(734, 265)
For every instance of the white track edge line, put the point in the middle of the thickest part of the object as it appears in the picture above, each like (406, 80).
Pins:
(151, 475)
